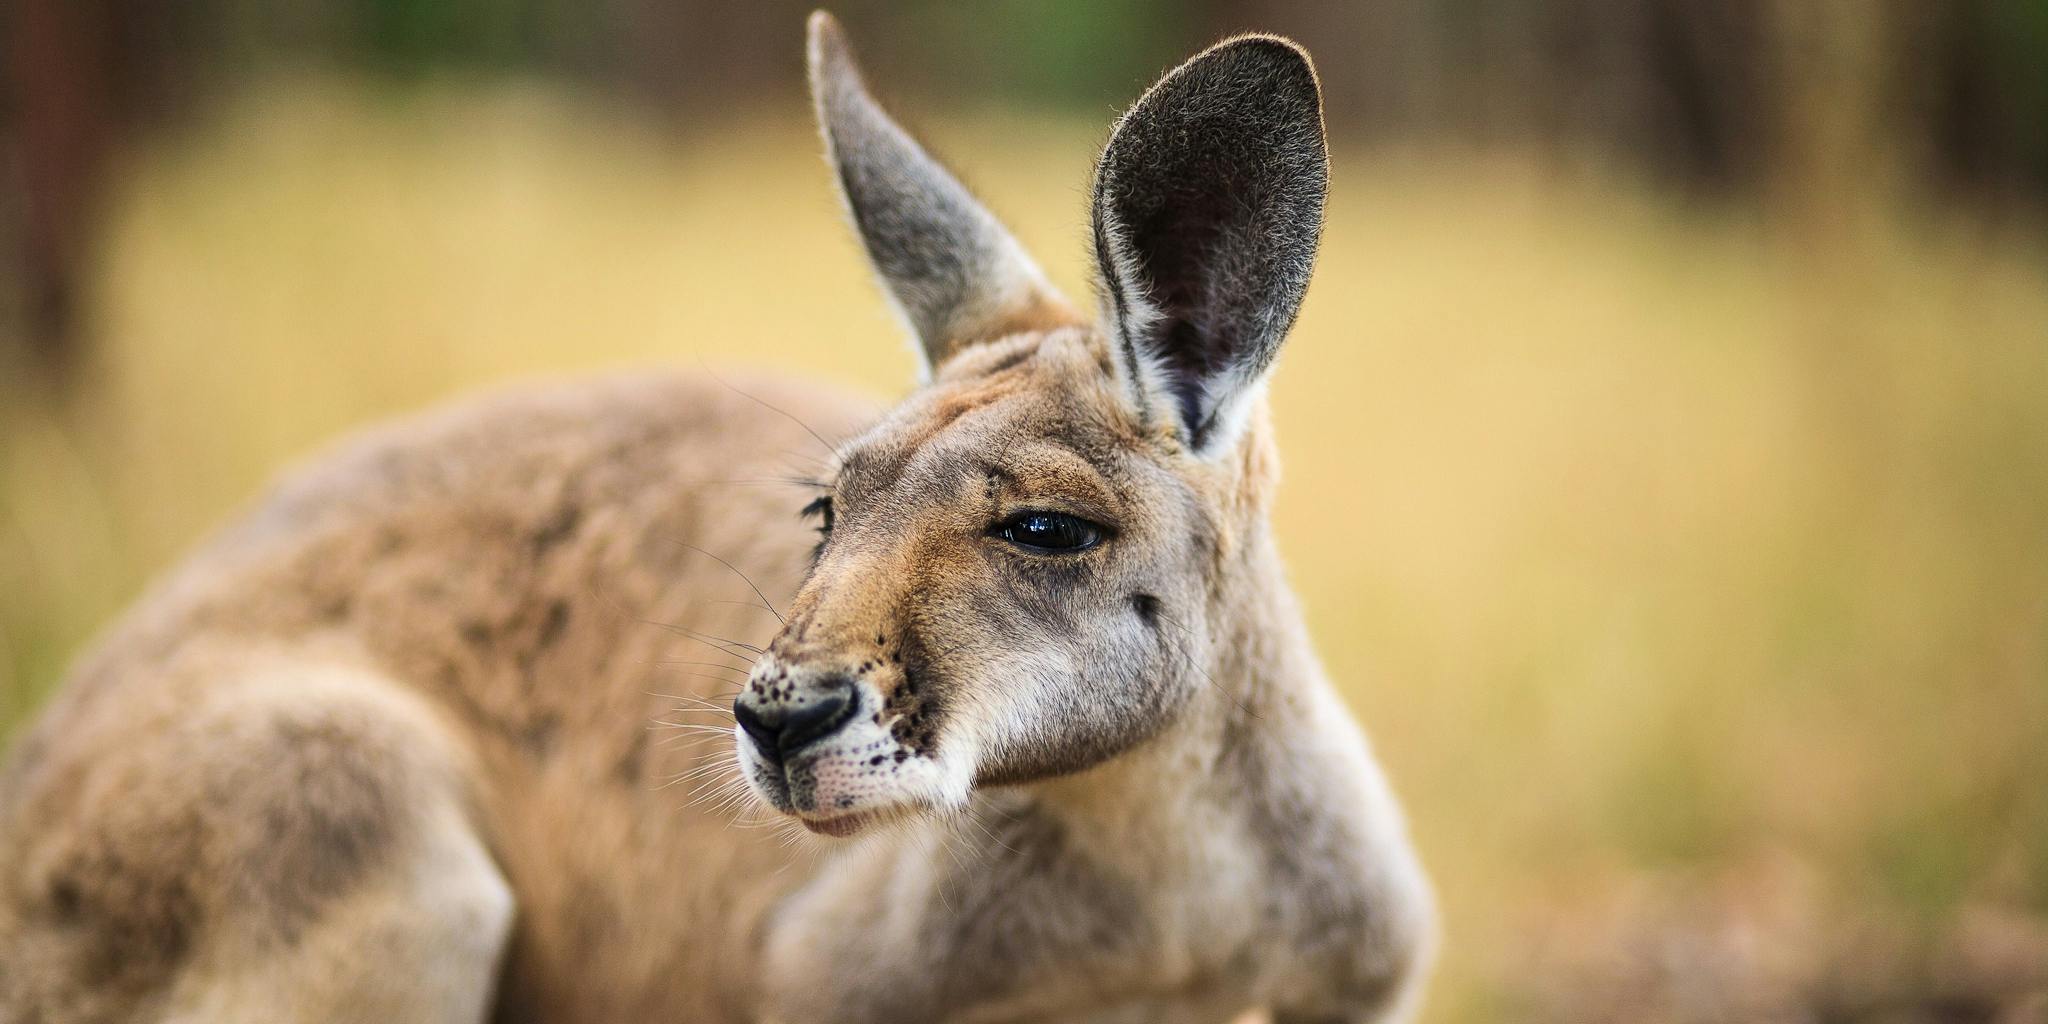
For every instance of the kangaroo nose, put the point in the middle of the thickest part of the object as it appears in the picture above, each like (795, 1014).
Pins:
(781, 728)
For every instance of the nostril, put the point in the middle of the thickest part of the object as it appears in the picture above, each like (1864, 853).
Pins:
(762, 729)
(829, 705)
(814, 711)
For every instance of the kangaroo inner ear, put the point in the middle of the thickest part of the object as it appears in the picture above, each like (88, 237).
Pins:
(953, 270)
(1208, 204)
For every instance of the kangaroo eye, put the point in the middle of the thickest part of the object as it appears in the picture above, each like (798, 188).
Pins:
(1050, 532)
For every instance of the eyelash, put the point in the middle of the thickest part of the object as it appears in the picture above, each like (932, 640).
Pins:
(821, 507)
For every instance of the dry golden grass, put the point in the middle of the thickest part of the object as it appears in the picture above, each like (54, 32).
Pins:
(1644, 539)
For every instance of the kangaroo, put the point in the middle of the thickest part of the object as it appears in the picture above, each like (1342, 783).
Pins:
(380, 751)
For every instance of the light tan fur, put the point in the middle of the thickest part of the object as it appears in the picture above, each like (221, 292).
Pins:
(390, 748)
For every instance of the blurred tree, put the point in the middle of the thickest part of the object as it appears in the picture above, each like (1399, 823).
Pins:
(80, 76)
(59, 126)
(1975, 76)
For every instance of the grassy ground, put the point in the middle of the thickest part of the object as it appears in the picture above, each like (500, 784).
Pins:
(1657, 546)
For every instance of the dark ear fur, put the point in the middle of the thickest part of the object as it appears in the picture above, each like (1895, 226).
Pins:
(1208, 204)
(954, 272)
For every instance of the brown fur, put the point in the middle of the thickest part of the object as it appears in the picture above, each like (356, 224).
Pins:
(516, 563)
(383, 749)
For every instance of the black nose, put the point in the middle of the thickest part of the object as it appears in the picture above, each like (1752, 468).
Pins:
(815, 711)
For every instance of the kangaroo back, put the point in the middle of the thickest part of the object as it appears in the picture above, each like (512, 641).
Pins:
(439, 658)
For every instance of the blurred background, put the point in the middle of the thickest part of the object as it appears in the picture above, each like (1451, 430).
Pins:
(1666, 431)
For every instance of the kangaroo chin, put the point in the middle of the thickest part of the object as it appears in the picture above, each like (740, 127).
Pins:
(380, 751)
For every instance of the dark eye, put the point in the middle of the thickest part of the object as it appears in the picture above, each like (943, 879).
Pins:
(1050, 532)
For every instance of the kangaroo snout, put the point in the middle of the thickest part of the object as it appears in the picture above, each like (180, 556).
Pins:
(785, 716)
(831, 741)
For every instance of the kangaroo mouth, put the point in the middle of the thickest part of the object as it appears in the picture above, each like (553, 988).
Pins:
(833, 764)
(847, 825)
(840, 827)
(797, 792)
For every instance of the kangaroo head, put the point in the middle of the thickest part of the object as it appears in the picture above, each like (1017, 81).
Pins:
(1023, 562)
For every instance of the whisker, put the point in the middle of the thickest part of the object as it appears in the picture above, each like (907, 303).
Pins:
(765, 404)
(713, 770)
(700, 772)
(988, 833)
(756, 605)
(1199, 670)
(597, 592)
(728, 641)
(781, 480)
(721, 786)
(691, 698)
(705, 664)
(710, 641)
(717, 782)
(806, 457)
(727, 680)
(661, 723)
(765, 603)
(721, 711)
(695, 746)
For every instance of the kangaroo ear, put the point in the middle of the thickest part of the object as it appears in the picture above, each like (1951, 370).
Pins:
(1208, 203)
(955, 274)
